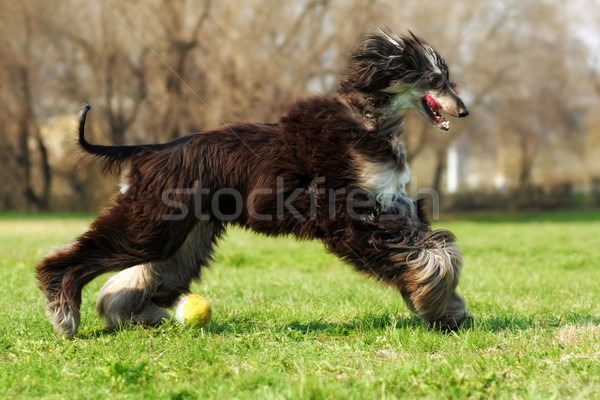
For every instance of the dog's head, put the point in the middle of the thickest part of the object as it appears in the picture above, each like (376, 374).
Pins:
(410, 71)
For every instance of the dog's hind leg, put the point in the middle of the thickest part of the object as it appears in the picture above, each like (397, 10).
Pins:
(117, 240)
(124, 298)
(138, 294)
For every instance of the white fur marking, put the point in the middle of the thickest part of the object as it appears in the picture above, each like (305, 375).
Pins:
(124, 184)
(63, 318)
(396, 41)
(386, 180)
(406, 97)
(430, 56)
(123, 187)
(115, 299)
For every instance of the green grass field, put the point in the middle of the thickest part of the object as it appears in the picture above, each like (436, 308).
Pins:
(292, 322)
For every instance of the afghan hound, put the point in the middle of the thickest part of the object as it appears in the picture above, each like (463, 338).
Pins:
(332, 168)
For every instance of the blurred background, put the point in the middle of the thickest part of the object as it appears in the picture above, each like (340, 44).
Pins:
(155, 70)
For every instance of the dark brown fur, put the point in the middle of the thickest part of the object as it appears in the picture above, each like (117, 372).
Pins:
(167, 221)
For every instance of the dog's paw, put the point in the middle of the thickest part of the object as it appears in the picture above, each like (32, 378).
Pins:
(121, 309)
(452, 323)
(63, 316)
(151, 315)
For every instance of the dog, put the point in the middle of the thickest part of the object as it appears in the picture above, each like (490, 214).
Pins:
(333, 168)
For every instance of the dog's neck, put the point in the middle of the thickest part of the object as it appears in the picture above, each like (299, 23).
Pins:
(380, 114)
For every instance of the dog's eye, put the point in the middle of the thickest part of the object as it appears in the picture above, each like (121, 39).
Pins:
(435, 80)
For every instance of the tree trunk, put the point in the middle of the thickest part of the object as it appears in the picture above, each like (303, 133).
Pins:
(28, 128)
(526, 164)
(46, 170)
(440, 168)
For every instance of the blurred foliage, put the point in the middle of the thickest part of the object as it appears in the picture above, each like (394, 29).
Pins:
(157, 69)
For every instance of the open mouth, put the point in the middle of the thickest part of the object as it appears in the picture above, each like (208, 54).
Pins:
(433, 108)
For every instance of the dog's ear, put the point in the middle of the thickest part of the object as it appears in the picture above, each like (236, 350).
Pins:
(374, 60)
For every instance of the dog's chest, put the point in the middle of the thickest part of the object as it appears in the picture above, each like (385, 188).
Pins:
(388, 178)
(384, 179)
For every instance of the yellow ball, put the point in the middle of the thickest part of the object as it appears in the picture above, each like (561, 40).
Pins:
(193, 310)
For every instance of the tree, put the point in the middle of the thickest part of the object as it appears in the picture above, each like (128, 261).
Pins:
(157, 69)
(21, 61)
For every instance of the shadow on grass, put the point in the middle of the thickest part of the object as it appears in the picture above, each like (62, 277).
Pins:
(384, 321)
(535, 321)
(100, 333)
(367, 323)
(319, 327)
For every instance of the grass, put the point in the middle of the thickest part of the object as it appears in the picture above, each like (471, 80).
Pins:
(292, 322)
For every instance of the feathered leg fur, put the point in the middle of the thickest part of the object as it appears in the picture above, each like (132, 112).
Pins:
(117, 240)
(424, 265)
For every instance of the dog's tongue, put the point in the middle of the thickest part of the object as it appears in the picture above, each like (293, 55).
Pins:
(433, 105)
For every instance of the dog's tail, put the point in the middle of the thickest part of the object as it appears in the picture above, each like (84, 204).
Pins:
(110, 159)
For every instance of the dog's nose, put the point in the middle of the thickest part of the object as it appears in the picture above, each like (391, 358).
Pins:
(463, 112)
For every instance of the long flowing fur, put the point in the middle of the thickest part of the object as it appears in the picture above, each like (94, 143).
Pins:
(332, 169)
